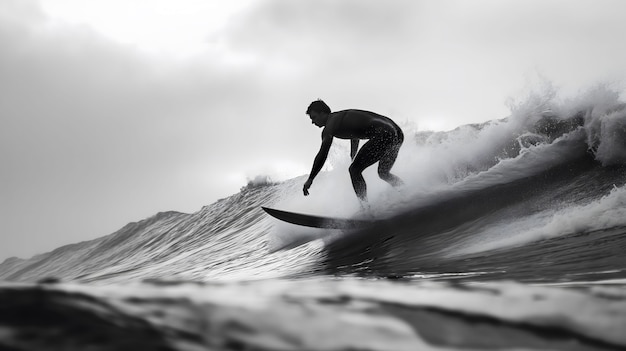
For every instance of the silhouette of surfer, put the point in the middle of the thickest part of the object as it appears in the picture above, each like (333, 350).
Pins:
(384, 141)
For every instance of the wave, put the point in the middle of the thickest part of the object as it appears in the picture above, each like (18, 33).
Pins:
(481, 200)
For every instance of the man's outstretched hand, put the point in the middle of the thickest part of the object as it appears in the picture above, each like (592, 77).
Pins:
(306, 187)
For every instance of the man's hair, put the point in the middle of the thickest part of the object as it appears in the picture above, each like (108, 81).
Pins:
(318, 106)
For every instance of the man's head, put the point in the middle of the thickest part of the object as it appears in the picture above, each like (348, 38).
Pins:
(318, 111)
(318, 106)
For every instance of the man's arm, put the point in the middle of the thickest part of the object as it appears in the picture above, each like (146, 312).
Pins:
(354, 146)
(319, 161)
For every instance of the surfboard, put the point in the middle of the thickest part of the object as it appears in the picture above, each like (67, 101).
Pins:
(316, 221)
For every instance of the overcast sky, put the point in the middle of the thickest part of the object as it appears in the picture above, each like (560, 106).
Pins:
(114, 110)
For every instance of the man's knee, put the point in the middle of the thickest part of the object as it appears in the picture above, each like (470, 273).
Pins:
(390, 178)
(387, 176)
(384, 173)
(355, 170)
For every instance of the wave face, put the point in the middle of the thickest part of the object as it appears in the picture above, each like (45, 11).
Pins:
(536, 197)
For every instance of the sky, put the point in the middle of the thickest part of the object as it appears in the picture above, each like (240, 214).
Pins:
(114, 110)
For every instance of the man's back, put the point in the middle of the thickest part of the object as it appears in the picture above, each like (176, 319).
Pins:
(358, 124)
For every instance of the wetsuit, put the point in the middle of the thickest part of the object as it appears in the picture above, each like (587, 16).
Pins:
(383, 146)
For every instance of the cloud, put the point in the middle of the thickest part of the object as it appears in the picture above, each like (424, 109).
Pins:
(97, 134)
(328, 40)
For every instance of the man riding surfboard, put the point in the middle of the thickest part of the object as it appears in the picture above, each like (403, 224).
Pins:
(384, 141)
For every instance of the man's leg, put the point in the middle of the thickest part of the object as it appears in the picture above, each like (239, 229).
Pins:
(358, 183)
(369, 154)
(387, 162)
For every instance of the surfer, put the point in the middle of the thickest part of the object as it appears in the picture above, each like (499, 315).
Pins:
(384, 141)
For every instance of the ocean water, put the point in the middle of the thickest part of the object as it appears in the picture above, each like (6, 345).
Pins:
(536, 197)
(509, 234)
